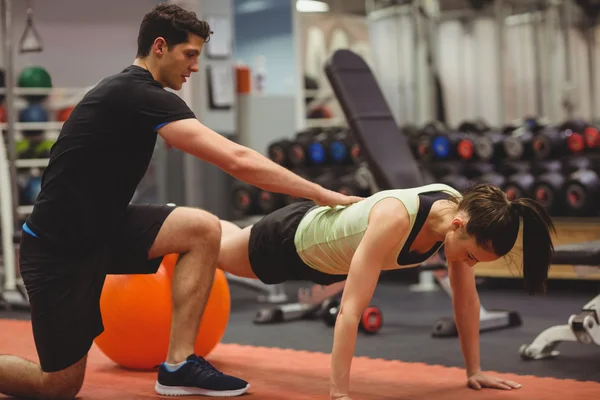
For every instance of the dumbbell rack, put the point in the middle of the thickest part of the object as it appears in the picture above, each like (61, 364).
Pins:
(12, 292)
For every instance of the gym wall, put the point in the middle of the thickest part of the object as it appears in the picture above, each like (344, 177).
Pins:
(266, 37)
(265, 42)
(104, 44)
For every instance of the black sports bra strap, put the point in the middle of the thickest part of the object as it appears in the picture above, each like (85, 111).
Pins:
(426, 200)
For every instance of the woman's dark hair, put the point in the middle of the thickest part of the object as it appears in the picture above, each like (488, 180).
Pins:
(494, 223)
(171, 22)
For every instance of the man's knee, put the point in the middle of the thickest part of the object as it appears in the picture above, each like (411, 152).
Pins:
(205, 229)
(65, 384)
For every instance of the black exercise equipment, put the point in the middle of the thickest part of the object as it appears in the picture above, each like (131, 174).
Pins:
(278, 152)
(245, 198)
(421, 141)
(418, 141)
(332, 146)
(518, 145)
(297, 153)
(286, 313)
(269, 201)
(490, 146)
(582, 190)
(549, 186)
(453, 145)
(371, 120)
(557, 141)
(583, 327)
(301, 310)
(522, 183)
(519, 185)
(370, 322)
(473, 127)
(591, 136)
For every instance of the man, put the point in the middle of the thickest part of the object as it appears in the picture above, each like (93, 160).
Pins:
(83, 227)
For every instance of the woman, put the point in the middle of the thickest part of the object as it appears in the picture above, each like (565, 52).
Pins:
(389, 230)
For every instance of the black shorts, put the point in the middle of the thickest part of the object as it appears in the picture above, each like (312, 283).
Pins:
(272, 253)
(64, 289)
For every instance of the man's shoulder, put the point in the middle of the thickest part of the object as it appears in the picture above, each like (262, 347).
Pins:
(132, 84)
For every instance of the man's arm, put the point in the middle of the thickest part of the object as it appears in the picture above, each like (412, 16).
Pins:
(245, 164)
(465, 302)
(387, 221)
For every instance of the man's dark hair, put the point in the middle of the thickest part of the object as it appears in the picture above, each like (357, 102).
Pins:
(494, 223)
(172, 23)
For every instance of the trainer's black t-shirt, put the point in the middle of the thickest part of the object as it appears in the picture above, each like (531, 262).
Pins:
(100, 157)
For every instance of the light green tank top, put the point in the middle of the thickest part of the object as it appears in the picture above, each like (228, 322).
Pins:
(327, 237)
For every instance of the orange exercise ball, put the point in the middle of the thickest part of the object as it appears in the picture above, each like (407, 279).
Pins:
(137, 314)
(169, 262)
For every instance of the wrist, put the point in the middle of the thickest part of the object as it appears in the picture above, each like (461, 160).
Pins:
(474, 371)
(318, 193)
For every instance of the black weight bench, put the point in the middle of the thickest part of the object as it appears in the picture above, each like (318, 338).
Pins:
(583, 327)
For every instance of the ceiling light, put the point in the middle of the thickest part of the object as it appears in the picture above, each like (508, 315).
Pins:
(311, 6)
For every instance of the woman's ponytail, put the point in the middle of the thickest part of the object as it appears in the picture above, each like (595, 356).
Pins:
(537, 242)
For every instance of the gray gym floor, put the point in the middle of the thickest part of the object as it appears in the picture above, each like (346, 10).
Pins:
(408, 320)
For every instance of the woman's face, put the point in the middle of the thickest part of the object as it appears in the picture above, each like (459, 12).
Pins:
(460, 247)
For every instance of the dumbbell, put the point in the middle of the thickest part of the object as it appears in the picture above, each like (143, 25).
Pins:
(521, 183)
(453, 145)
(269, 201)
(490, 146)
(591, 137)
(422, 143)
(557, 141)
(333, 146)
(278, 152)
(245, 198)
(472, 131)
(518, 144)
(474, 127)
(520, 136)
(371, 320)
(549, 186)
(582, 190)
(413, 136)
(298, 150)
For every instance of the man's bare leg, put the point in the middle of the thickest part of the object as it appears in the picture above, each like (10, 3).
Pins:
(195, 235)
(24, 379)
